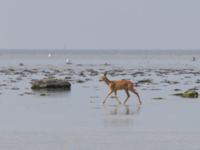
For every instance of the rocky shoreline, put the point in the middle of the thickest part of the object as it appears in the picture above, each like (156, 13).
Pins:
(146, 79)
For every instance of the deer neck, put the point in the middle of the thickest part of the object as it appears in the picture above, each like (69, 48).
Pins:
(107, 81)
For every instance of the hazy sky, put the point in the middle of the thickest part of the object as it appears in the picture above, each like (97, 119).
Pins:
(100, 24)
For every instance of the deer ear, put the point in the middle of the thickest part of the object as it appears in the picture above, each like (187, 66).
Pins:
(105, 74)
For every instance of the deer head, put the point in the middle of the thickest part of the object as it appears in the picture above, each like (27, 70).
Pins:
(103, 77)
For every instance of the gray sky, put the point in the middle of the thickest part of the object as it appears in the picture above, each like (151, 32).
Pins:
(100, 24)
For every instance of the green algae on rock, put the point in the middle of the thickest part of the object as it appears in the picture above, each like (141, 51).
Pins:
(188, 94)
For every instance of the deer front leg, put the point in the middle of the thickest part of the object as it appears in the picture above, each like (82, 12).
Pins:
(137, 96)
(128, 95)
(107, 96)
(117, 98)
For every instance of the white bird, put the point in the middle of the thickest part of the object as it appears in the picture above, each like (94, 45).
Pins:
(49, 55)
(68, 61)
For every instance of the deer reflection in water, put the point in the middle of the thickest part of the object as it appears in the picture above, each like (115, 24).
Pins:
(123, 110)
(120, 115)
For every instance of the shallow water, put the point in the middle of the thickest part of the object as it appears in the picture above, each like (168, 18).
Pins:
(77, 119)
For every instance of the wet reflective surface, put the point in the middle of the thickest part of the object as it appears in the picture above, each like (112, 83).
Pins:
(77, 119)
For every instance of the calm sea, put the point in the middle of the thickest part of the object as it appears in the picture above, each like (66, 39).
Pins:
(125, 58)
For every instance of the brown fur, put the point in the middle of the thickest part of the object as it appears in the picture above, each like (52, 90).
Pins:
(116, 85)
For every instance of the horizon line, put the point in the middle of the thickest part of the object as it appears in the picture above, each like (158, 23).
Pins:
(94, 49)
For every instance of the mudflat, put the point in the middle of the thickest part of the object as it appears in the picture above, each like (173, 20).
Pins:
(77, 119)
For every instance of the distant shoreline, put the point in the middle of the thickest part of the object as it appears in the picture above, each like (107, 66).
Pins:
(102, 51)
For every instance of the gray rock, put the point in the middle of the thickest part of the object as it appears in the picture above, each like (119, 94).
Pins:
(135, 74)
(170, 82)
(82, 74)
(50, 83)
(43, 94)
(80, 81)
(157, 98)
(92, 72)
(18, 78)
(28, 93)
(15, 88)
(144, 81)
(117, 72)
(3, 84)
(21, 64)
(68, 78)
(198, 81)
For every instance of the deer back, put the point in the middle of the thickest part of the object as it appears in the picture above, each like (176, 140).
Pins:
(120, 85)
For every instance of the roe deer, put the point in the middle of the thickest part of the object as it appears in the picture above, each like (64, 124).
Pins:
(116, 85)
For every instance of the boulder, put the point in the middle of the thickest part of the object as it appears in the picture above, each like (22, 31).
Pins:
(50, 83)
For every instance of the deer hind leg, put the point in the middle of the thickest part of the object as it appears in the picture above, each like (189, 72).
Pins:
(117, 97)
(107, 96)
(128, 95)
(132, 90)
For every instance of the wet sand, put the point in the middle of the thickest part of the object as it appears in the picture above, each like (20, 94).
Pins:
(77, 119)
